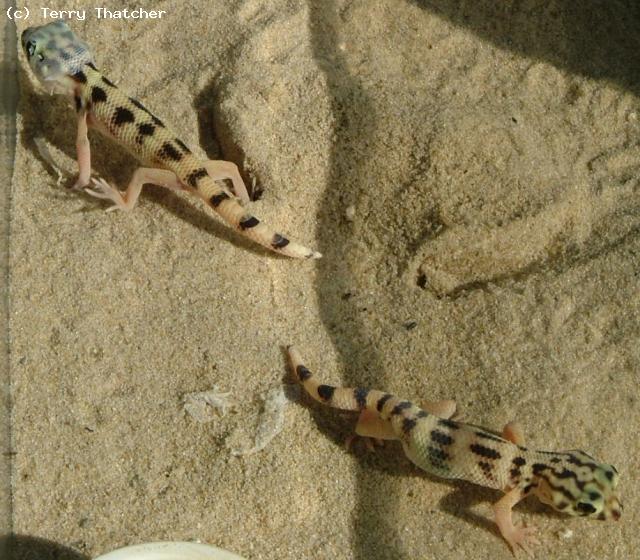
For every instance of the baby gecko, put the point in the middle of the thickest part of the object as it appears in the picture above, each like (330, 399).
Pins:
(64, 63)
(569, 481)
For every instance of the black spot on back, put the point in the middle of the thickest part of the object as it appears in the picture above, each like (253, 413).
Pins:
(92, 66)
(325, 392)
(169, 152)
(144, 129)
(108, 82)
(539, 467)
(437, 456)
(484, 451)
(182, 145)
(408, 424)
(519, 461)
(441, 438)
(121, 116)
(248, 223)
(98, 94)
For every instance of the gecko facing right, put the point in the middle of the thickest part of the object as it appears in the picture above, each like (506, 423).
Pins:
(571, 482)
(64, 64)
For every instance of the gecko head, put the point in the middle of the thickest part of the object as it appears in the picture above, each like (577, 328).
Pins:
(55, 54)
(579, 485)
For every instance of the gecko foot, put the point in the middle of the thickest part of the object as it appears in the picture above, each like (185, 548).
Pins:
(79, 184)
(105, 191)
(522, 537)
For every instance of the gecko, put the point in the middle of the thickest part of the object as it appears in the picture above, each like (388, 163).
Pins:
(571, 482)
(64, 64)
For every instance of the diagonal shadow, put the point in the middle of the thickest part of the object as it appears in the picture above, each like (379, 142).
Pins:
(598, 39)
(334, 284)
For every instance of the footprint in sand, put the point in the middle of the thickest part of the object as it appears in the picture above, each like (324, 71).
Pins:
(595, 208)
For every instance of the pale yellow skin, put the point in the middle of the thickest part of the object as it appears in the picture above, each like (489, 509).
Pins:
(569, 481)
(64, 63)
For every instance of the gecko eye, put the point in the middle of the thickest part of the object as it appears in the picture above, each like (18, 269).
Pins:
(585, 508)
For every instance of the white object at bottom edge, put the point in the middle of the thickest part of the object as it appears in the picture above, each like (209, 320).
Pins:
(170, 551)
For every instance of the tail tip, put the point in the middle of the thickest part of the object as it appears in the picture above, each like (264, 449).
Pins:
(294, 355)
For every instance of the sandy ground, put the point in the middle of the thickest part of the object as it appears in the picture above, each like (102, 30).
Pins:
(470, 174)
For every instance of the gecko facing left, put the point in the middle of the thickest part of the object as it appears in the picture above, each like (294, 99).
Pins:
(571, 482)
(64, 64)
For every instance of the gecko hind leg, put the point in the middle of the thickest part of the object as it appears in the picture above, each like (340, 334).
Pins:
(442, 409)
(127, 200)
(513, 432)
(372, 429)
(219, 170)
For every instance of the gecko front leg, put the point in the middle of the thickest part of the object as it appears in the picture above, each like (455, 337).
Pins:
(83, 150)
(142, 176)
(217, 170)
(516, 537)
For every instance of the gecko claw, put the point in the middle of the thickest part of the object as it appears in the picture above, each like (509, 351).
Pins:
(105, 191)
(523, 537)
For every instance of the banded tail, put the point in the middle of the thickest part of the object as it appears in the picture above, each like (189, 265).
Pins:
(382, 404)
(230, 210)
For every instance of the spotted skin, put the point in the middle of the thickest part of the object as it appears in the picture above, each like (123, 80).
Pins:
(64, 64)
(571, 482)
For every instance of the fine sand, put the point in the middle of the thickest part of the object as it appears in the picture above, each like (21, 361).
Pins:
(470, 174)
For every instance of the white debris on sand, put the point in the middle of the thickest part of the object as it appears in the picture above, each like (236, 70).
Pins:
(205, 406)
